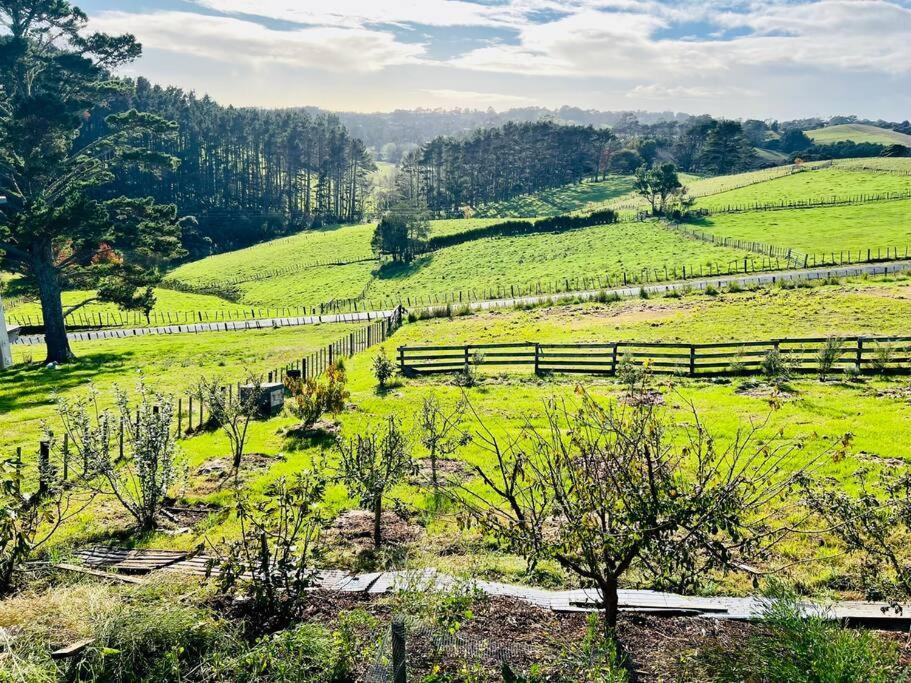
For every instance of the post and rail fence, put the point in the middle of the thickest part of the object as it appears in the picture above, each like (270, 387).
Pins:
(864, 354)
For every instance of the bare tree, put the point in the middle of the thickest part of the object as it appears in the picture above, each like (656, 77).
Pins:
(603, 489)
(233, 412)
(372, 464)
(441, 432)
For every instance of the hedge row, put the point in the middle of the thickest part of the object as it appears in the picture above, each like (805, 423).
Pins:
(512, 228)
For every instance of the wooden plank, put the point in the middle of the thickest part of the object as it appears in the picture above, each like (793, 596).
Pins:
(110, 576)
(72, 650)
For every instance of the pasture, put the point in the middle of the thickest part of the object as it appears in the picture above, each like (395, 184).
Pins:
(172, 363)
(825, 230)
(819, 413)
(858, 132)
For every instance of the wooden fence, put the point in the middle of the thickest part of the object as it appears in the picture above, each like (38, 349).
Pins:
(191, 409)
(864, 354)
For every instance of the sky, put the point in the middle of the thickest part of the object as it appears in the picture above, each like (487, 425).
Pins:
(737, 58)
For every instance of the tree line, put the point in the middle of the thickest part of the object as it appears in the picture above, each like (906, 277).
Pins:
(496, 164)
(246, 174)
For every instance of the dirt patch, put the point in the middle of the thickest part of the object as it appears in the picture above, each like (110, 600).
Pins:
(649, 397)
(767, 392)
(215, 473)
(354, 529)
(320, 429)
(189, 515)
(902, 393)
(448, 472)
(881, 459)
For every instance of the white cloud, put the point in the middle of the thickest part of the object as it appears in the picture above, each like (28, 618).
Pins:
(236, 41)
(849, 35)
(358, 12)
(657, 91)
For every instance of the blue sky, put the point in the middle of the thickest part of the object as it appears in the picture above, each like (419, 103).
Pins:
(737, 58)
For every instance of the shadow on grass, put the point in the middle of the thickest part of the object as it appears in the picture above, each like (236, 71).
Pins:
(401, 271)
(35, 382)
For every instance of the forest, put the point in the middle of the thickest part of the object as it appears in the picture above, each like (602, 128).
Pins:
(246, 174)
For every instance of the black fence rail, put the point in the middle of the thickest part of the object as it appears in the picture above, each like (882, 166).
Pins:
(812, 354)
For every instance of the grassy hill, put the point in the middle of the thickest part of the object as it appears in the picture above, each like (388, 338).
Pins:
(575, 197)
(858, 132)
(822, 230)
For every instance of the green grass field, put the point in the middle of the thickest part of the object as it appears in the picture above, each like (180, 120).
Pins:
(824, 230)
(858, 132)
(875, 411)
(167, 300)
(827, 184)
(174, 363)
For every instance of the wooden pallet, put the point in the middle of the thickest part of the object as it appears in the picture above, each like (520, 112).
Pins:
(129, 561)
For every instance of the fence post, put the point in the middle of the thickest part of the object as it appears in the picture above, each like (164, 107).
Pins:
(537, 357)
(399, 662)
(613, 360)
(860, 352)
(692, 360)
(402, 359)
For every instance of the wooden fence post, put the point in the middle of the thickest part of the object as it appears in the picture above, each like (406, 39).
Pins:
(402, 359)
(692, 360)
(537, 358)
(613, 360)
(860, 352)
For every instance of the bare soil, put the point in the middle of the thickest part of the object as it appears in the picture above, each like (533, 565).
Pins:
(354, 529)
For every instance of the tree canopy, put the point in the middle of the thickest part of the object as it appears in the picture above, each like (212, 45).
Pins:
(55, 230)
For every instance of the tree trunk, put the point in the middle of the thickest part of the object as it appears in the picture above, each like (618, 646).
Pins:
(378, 522)
(611, 601)
(48, 281)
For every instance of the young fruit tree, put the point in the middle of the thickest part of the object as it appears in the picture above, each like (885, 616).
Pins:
(130, 450)
(372, 465)
(872, 525)
(606, 489)
(29, 519)
(232, 412)
(441, 433)
(55, 231)
(274, 558)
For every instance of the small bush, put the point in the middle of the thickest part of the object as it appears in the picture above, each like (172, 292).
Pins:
(775, 367)
(383, 368)
(304, 654)
(828, 356)
(311, 398)
(792, 648)
(882, 358)
(710, 290)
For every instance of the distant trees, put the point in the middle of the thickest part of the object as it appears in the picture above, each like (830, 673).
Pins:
(401, 233)
(497, 164)
(658, 185)
(793, 140)
(246, 174)
(726, 149)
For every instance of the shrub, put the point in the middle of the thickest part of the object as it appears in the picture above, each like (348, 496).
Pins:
(274, 558)
(828, 356)
(149, 467)
(441, 432)
(383, 368)
(775, 367)
(303, 654)
(312, 397)
(791, 647)
(883, 357)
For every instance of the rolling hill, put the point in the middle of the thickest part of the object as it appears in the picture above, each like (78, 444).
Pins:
(858, 132)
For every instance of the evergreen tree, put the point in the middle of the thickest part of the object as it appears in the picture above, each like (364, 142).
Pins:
(54, 230)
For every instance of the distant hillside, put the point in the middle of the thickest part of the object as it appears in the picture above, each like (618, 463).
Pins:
(858, 132)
